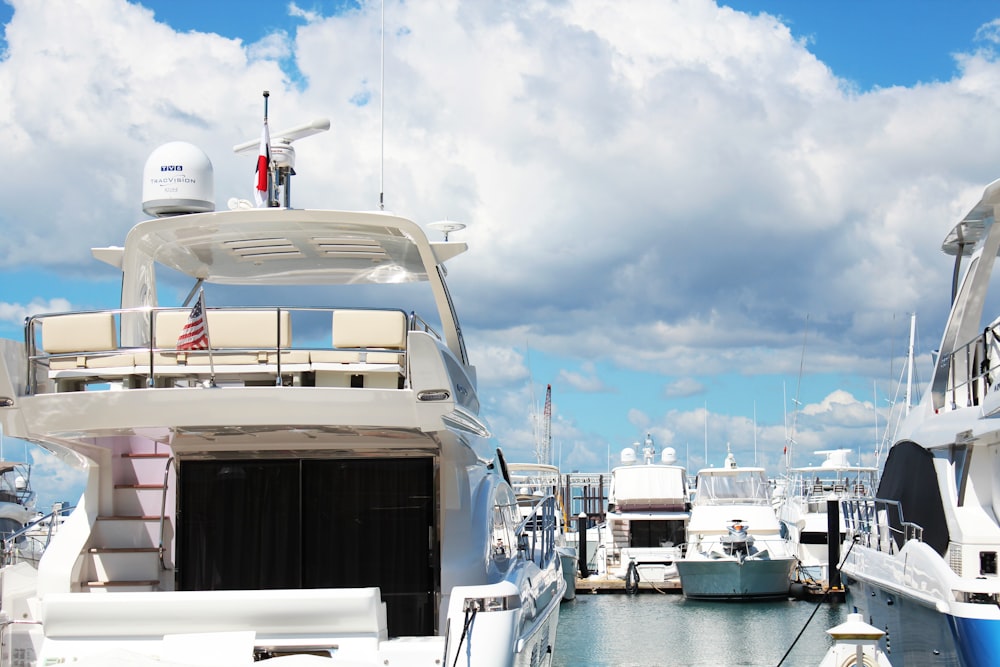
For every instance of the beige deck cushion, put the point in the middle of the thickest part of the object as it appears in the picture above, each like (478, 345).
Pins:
(79, 332)
(365, 329)
(86, 334)
(254, 331)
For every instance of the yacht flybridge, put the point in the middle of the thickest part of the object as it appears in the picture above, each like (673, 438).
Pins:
(270, 479)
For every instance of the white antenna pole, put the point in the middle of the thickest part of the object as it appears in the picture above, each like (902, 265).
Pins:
(381, 113)
(755, 433)
(909, 362)
(875, 409)
(706, 434)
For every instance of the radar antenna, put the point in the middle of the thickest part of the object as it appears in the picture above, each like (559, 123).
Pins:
(446, 227)
(282, 166)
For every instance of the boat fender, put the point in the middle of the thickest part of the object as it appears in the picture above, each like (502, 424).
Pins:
(632, 579)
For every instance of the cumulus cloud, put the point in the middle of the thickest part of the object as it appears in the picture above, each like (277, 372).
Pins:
(670, 190)
(587, 380)
(16, 313)
(683, 387)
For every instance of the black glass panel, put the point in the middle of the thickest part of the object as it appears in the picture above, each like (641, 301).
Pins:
(313, 523)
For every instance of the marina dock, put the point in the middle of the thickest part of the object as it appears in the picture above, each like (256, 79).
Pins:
(606, 584)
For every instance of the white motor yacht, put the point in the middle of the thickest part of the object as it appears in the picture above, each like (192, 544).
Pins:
(647, 518)
(921, 559)
(734, 548)
(287, 467)
(802, 509)
(17, 512)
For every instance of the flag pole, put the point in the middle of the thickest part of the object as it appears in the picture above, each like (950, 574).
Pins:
(208, 337)
(270, 175)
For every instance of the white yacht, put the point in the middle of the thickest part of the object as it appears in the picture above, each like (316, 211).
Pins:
(920, 560)
(17, 511)
(648, 511)
(329, 496)
(734, 548)
(802, 502)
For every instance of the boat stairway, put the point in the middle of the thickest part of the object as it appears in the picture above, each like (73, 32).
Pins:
(124, 552)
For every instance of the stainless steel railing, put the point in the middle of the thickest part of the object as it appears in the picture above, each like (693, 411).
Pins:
(878, 524)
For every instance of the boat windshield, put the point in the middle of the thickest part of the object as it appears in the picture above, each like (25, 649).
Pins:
(737, 487)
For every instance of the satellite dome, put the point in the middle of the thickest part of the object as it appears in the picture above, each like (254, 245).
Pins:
(628, 455)
(177, 179)
(668, 456)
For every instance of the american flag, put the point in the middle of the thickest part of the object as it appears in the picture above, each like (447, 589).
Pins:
(260, 193)
(194, 335)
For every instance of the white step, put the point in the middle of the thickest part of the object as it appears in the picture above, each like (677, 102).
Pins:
(131, 501)
(130, 532)
(103, 565)
(121, 586)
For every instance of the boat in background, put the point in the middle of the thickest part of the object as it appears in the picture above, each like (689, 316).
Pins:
(921, 558)
(801, 502)
(17, 511)
(332, 497)
(734, 548)
(646, 523)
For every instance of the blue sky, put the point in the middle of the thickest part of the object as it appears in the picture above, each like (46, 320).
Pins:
(671, 210)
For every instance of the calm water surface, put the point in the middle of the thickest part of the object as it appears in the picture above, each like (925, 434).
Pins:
(654, 630)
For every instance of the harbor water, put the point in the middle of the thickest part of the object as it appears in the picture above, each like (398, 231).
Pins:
(656, 630)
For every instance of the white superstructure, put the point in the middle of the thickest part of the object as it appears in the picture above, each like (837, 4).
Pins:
(317, 487)
(802, 501)
(648, 511)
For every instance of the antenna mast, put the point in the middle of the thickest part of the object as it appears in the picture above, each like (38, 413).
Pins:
(909, 362)
(282, 156)
(272, 174)
(789, 445)
(381, 114)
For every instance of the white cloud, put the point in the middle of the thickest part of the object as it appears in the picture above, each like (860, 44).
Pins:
(587, 380)
(671, 189)
(683, 387)
(17, 312)
(275, 46)
(989, 32)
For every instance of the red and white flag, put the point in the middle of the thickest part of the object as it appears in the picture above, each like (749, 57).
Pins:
(261, 193)
(194, 335)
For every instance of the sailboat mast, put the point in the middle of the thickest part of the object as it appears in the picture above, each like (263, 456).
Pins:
(909, 361)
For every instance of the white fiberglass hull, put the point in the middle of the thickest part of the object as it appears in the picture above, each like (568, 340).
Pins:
(729, 579)
(911, 595)
(347, 625)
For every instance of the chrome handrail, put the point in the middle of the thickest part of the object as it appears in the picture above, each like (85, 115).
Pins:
(163, 509)
(9, 542)
(971, 387)
(541, 519)
(868, 521)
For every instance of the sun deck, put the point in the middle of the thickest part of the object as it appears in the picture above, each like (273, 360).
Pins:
(247, 347)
